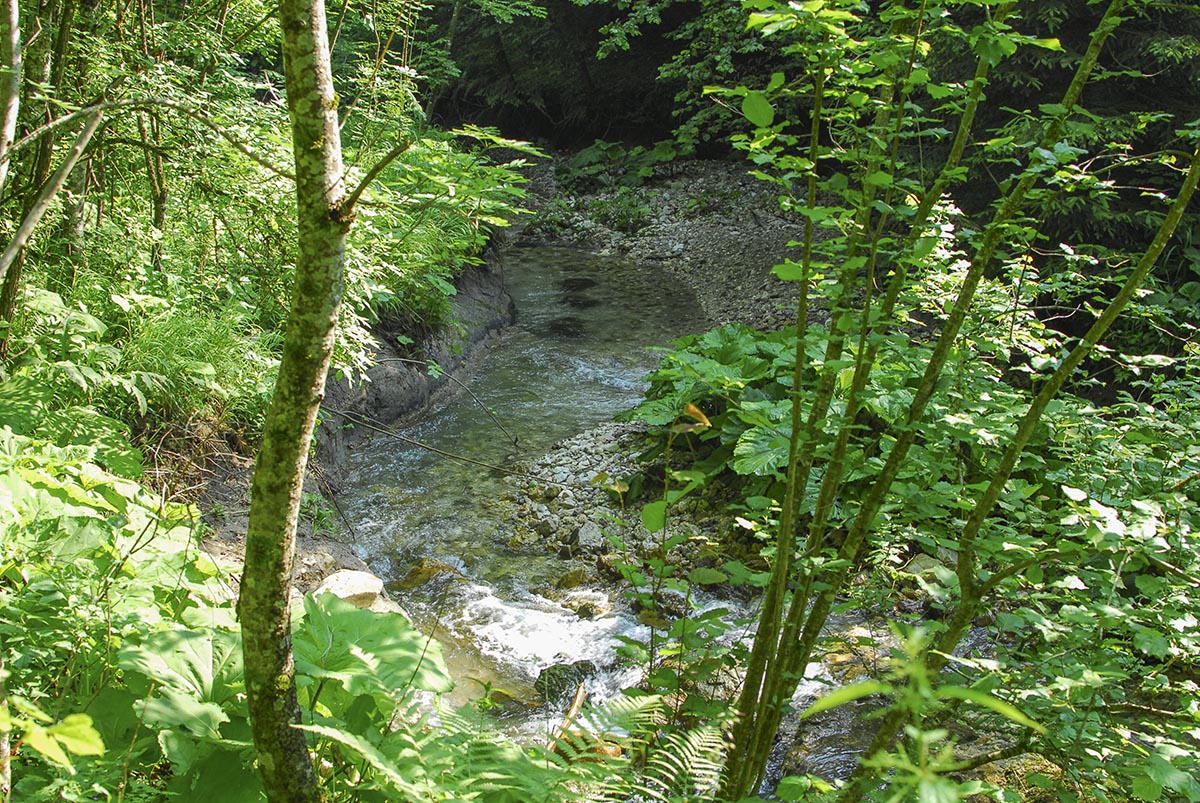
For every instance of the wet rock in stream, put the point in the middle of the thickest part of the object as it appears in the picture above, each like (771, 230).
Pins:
(426, 571)
(558, 682)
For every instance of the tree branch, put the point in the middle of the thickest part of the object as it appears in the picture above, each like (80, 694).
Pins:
(46, 195)
(372, 174)
(142, 103)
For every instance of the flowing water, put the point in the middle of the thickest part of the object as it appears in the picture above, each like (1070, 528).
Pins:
(575, 356)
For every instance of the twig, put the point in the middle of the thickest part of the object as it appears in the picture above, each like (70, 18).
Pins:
(572, 712)
(47, 193)
(1012, 751)
(373, 173)
(139, 103)
(1185, 482)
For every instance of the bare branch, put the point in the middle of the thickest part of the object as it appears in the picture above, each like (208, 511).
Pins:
(372, 174)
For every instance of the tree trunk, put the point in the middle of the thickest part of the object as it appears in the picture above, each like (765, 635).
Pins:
(156, 173)
(47, 67)
(323, 222)
(10, 81)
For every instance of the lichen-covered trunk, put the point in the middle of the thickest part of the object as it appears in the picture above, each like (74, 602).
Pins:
(323, 222)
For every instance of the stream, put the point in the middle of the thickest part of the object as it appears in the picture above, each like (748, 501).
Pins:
(575, 356)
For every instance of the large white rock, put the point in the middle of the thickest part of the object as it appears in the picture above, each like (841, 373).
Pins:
(361, 589)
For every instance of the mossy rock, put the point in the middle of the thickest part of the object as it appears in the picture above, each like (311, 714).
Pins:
(425, 571)
(557, 682)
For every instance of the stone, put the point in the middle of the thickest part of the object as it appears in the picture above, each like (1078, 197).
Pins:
(573, 579)
(360, 589)
(586, 608)
(385, 605)
(925, 566)
(319, 560)
(559, 681)
(590, 537)
(426, 570)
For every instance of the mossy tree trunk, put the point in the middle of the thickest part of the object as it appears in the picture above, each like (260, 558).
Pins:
(323, 222)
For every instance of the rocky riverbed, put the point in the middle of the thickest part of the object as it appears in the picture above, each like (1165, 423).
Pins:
(715, 229)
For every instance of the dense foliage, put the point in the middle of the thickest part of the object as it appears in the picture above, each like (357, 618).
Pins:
(955, 415)
(911, 428)
(150, 248)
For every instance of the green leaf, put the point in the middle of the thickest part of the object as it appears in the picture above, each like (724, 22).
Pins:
(789, 271)
(85, 427)
(654, 515)
(937, 790)
(220, 772)
(1152, 643)
(760, 451)
(797, 788)
(988, 701)
(203, 664)
(1074, 494)
(758, 109)
(77, 735)
(941, 91)
(40, 740)
(1171, 777)
(1145, 788)
(23, 403)
(367, 652)
(847, 694)
(923, 247)
(170, 708)
(1048, 44)
(703, 576)
(380, 762)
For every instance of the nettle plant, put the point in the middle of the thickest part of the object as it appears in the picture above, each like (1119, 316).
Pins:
(933, 412)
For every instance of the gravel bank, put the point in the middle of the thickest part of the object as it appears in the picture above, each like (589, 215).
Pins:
(709, 224)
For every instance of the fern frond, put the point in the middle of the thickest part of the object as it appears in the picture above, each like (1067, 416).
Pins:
(686, 763)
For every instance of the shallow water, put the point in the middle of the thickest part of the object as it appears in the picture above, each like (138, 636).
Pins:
(575, 356)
